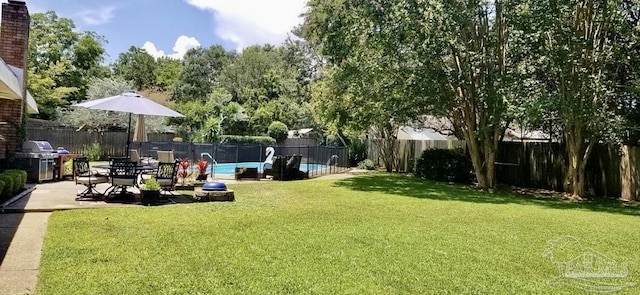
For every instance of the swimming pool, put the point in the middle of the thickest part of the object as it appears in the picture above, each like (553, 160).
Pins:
(230, 168)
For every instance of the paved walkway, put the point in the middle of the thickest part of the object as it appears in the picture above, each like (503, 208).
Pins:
(21, 263)
(23, 226)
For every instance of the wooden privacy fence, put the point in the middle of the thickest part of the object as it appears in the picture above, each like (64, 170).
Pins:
(543, 165)
(540, 165)
(408, 151)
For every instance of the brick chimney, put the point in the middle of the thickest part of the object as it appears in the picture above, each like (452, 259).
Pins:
(14, 46)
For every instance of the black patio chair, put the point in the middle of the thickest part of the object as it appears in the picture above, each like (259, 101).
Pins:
(123, 174)
(83, 175)
(277, 168)
(167, 176)
(292, 168)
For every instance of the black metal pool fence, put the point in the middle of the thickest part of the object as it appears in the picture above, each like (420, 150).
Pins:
(316, 160)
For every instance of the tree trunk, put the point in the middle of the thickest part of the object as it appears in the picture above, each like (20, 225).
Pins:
(483, 158)
(578, 152)
(482, 151)
(481, 111)
(388, 152)
(387, 146)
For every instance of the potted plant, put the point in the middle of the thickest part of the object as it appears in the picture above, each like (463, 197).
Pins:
(150, 192)
(183, 170)
(202, 166)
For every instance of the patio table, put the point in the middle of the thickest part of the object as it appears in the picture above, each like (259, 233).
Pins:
(139, 169)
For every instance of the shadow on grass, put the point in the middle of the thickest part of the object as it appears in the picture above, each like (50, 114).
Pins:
(409, 186)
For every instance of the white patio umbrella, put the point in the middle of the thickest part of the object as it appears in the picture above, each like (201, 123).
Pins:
(132, 103)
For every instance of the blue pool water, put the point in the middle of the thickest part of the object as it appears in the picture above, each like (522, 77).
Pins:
(230, 168)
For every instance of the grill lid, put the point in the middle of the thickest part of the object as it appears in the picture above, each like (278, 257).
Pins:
(37, 146)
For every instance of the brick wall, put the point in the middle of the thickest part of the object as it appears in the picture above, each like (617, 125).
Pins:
(14, 42)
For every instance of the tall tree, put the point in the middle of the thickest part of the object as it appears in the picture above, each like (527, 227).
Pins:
(445, 58)
(370, 105)
(272, 84)
(256, 76)
(576, 53)
(304, 61)
(62, 61)
(137, 66)
(200, 72)
(167, 72)
(626, 70)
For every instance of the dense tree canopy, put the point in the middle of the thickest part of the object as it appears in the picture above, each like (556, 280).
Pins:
(62, 62)
(411, 58)
(199, 73)
(167, 72)
(572, 65)
(137, 66)
(577, 59)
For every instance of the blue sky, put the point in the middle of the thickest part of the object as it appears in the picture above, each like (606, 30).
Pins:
(171, 27)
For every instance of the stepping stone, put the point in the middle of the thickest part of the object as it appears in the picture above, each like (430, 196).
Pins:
(201, 195)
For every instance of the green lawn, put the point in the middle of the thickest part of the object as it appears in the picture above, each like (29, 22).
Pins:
(374, 234)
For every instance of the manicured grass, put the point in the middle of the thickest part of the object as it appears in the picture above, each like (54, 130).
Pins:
(374, 234)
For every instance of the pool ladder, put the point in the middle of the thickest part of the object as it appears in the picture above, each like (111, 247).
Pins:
(213, 164)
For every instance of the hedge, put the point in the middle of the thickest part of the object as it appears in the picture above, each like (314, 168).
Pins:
(278, 131)
(8, 180)
(444, 165)
(239, 139)
(21, 179)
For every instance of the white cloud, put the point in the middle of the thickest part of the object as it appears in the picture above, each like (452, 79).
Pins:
(249, 22)
(96, 16)
(182, 45)
(151, 49)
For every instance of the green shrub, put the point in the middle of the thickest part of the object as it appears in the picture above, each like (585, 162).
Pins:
(367, 164)
(22, 180)
(239, 139)
(357, 151)
(278, 130)
(7, 190)
(93, 152)
(2, 198)
(444, 165)
(210, 132)
(16, 179)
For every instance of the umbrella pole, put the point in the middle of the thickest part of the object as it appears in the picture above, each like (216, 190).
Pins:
(126, 152)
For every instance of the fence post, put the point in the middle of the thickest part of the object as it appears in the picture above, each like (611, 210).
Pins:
(214, 152)
(192, 147)
(308, 158)
(237, 154)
